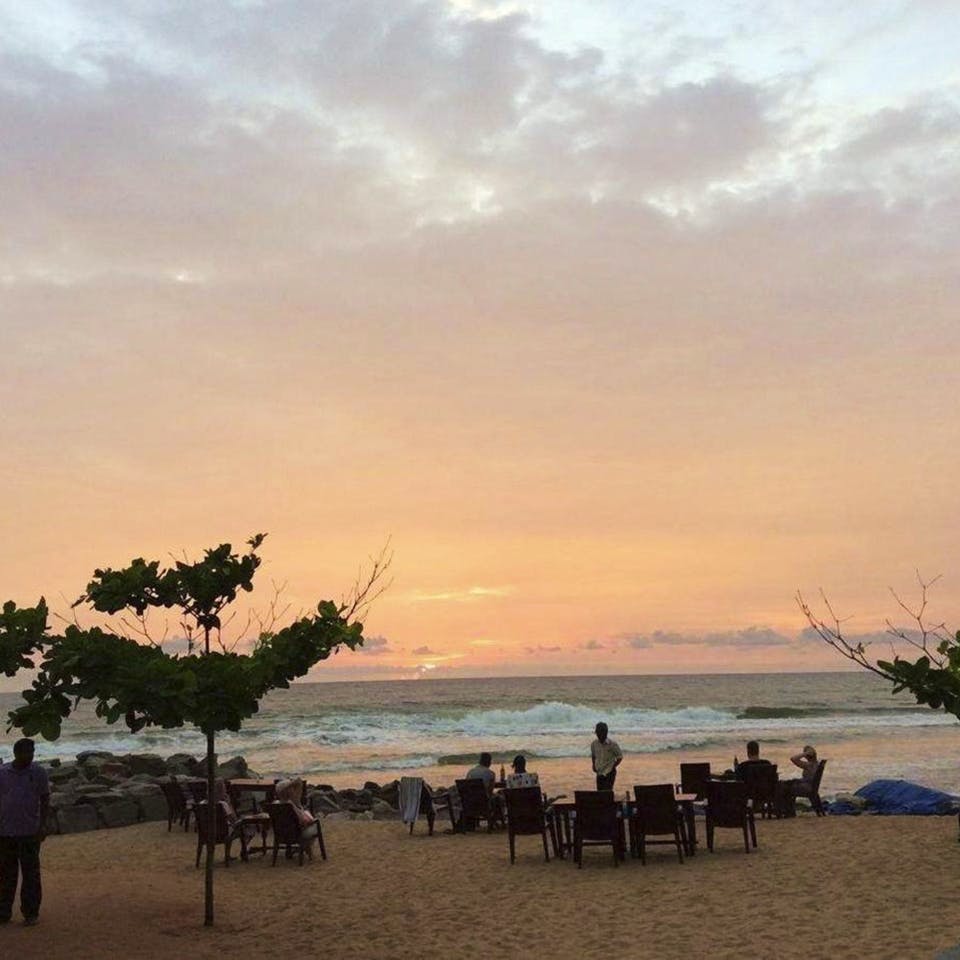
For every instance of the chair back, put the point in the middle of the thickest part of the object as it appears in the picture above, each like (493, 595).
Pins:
(656, 808)
(174, 797)
(474, 799)
(815, 785)
(727, 802)
(223, 823)
(524, 809)
(694, 777)
(198, 790)
(284, 822)
(761, 780)
(596, 814)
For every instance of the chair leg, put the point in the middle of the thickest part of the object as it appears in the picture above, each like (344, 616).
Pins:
(578, 852)
(643, 849)
(430, 819)
(746, 837)
(226, 853)
(513, 844)
(276, 850)
(411, 827)
(753, 832)
(679, 845)
(300, 847)
(199, 848)
(546, 849)
(710, 836)
(320, 843)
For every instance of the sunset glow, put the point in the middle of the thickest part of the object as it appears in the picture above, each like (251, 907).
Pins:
(621, 320)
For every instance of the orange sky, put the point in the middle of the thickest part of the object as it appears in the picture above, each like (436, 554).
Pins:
(622, 328)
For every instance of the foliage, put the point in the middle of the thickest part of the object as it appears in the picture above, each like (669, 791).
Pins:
(933, 678)
(142, 684)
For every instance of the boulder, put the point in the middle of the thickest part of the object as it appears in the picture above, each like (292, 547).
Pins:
(77, 819)
(151, 801)
(383, 811)
(119, 813)
(390, 793)
(94, 793)
(183, 765)
(339, 815)
(145, 763)
(65, 773)
(371, 786)
(94, 755)
(361, 815)
(233, 769)
(323, 802)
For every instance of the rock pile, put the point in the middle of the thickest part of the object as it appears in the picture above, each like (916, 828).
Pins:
(101, 789)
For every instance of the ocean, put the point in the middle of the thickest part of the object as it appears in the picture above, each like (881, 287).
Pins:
(346, 733)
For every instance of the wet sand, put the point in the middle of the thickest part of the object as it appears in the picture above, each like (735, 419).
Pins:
(836, 887)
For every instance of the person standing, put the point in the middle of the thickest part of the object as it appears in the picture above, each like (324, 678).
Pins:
(24, 802)
(606, 756)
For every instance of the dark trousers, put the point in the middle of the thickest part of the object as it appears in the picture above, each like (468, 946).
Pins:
(606, 781)
(19, 856)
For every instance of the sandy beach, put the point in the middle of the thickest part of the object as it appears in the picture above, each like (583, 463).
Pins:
(836, 887)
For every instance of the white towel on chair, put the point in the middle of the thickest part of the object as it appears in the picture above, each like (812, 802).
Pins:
(411, 789)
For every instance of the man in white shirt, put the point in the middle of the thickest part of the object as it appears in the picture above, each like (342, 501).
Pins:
(606, 756)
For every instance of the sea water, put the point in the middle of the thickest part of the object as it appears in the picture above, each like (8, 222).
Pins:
(346, 733)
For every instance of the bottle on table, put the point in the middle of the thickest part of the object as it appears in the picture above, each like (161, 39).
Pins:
(503, 774)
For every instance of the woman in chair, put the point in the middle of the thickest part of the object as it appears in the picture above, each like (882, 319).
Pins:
(291, 791)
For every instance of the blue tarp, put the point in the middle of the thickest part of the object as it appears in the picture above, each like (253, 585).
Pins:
(899, 797)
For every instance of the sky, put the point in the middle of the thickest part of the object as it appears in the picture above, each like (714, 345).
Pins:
(623, 321)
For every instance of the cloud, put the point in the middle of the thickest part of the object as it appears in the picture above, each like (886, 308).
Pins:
(461, 596)
(539, 649)
(747, 637)
(375, 647)
(592, 645)
(423, 652)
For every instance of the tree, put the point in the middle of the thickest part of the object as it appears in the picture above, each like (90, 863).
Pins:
(134, 679)
(933, 678)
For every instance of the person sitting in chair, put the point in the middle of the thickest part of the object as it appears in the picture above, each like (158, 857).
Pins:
(753, 760)
(483, 772)
(291, 791)
(807, 761)
(520, 777)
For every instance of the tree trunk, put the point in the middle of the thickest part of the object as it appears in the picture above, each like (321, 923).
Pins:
(211, 831)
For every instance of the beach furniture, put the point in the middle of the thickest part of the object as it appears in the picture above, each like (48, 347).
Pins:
(762, 788)
(179, 808)
(656, 813)
(526, 817)
(258, 791)
(815, 800)
(476, 805)
(417, 799)
(728, 807)
(597, 824)
(290, 833)
(693, 779)
(228, 830)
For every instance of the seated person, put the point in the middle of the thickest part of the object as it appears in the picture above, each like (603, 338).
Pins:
(753, 760)
(483, 772)
(807, 761)
(520, 777)
(291, 791)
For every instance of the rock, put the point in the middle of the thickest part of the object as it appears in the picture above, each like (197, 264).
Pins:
(361, 815)
(233, 769)
(323, 802)
(119, 813)
(324, 788)
(145, 763)
(94, 793)
(90, 755)
(150, 800)
(383, 811)
(183, 765)
(339, 815)
(371, 786)
(77, 819)
(390, 793)
(61, 775)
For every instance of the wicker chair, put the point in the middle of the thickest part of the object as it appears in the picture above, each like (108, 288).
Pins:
(476, 805)
(762, 787)
(693, 779)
